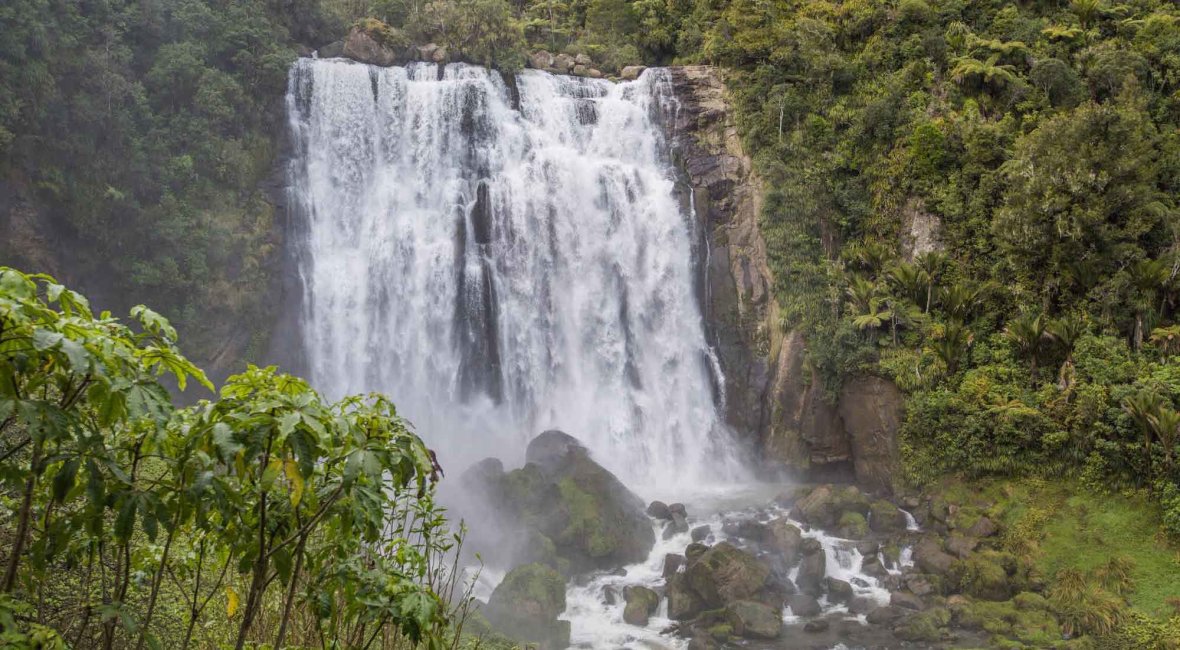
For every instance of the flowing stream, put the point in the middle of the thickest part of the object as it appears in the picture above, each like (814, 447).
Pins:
(503, 258)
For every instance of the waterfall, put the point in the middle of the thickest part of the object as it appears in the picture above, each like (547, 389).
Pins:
(503, 256)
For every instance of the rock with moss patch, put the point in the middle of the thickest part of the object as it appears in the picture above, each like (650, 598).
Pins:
(726, 573)
(930, 558)
(526, 604)
(631, 72)
(852, 525)
(961, 546)
(983, 527)
(886, 615)
(641, 603)
(783, 538)
(683, 601)
(754, 620)
(926, 627)
(1024, 619)
(593, 520)
(373, 42)
(884, 517)
(824, 506)
(982, 575)
(694, 551)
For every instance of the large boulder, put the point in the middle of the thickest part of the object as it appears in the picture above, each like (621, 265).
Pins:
(683, 601)
(631, 72)
(812, 568)
(803, 605)
(563, 63)
(726, 573)
(592, 519)
(641, 603)
(753, 620)
(884, 517)
(541, 60)
(375, 43)
(826, 504)
(783, 538)
(982, 575)
(930, 558)
(526, 604)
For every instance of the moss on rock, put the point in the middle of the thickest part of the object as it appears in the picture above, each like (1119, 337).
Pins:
(526, 604)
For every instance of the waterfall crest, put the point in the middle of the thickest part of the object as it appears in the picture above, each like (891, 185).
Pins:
(503, 258)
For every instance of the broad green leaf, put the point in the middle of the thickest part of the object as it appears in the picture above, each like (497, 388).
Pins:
(223, 440)
(271, 473)
(125, 521)
(291, 469)
(44, 339)
(288, 422)
(64, 480)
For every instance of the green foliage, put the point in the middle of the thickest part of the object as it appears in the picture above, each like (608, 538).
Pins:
(140, 514)
(138, 135)
(482, 31)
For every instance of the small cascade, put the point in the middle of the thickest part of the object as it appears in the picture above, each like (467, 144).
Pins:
(595, 606)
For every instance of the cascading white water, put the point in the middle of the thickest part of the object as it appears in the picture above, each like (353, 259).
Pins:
(502, 260)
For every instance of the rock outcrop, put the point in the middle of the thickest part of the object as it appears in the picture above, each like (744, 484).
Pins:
(772, 394)
(561, 509)
(526, 604)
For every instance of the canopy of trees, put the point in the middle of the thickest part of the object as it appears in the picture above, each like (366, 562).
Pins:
(265, 516)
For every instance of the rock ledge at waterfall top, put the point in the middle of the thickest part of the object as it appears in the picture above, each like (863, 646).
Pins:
(375, 43)
(565, 510)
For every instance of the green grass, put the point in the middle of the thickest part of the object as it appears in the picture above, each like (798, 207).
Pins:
(1087, 530)
(1061, 525)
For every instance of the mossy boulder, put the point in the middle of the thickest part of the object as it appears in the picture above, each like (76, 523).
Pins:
(884, 517)
(754, 620)
(984, 575)
(592, 520)
(721, 632)
(852, 525)
(725, 573)
(824, 505)
(683, 601)
(930, 557)
(926, 627)
(372, 41)
(641, 603)
(526, 604)
(1026, 618)
(783, 538)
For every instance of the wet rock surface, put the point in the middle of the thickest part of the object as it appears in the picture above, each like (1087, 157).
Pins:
(526, 604)
(562, 508)
(773, 396)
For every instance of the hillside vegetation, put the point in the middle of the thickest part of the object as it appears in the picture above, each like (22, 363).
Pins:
(976, 199)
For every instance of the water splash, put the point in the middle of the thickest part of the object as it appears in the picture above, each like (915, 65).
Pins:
(503, 258)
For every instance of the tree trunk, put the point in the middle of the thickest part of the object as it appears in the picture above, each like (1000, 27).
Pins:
(159, 577)
(299, 551)
(253, 600)
(22, 524)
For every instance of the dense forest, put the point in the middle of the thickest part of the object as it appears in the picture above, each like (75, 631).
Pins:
(975, 199)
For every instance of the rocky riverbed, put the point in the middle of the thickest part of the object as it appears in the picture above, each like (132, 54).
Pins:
(770, 566)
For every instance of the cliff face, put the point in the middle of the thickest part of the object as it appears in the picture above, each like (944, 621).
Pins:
(772, 396)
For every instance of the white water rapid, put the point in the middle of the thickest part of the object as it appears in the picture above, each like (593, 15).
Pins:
(505, 258)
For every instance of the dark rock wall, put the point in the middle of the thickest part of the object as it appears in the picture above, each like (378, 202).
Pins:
(772, 396)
